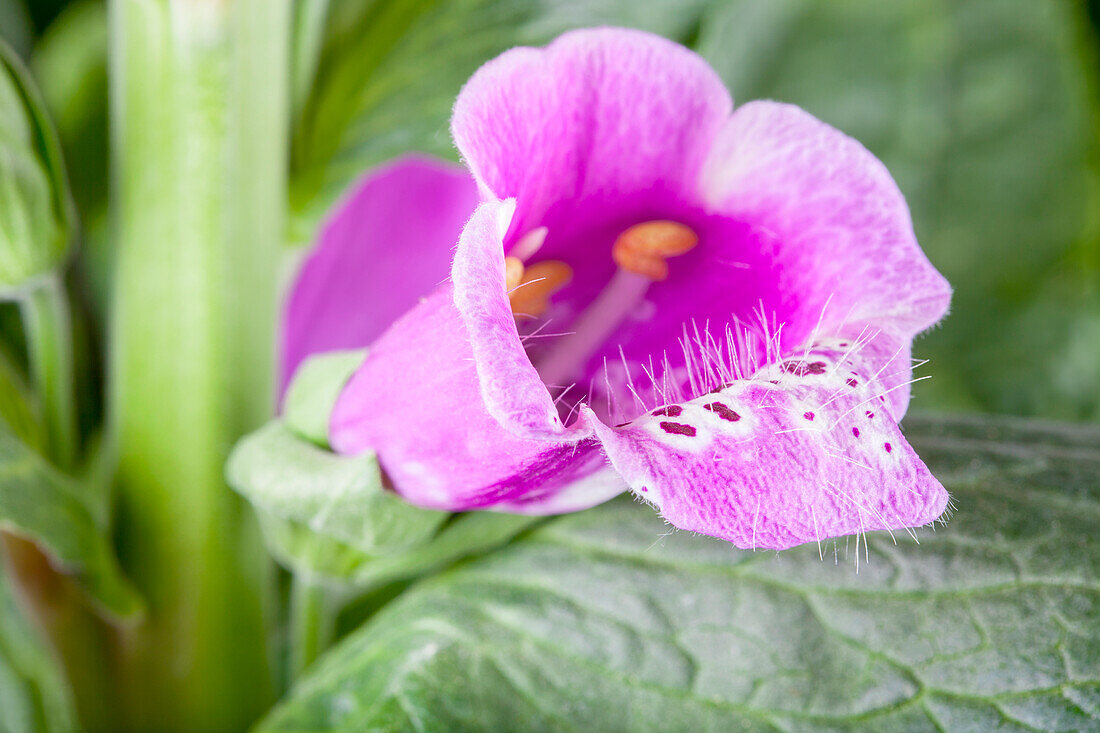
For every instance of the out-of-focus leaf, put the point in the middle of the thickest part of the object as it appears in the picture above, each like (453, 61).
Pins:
(309, 28)
(984, 112)
(313, 393)
(34, 697)
(70, 66)
(389, 73)
(603, 621)
(17, 408)
(15, 26)
(36, 211)
(41, 504)
(328, 513)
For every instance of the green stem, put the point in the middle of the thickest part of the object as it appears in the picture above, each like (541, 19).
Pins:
(199, 138)
(312, 623)
(49, 343)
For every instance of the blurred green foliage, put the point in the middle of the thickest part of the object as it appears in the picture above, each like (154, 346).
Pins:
(36, 210)
(984, 110)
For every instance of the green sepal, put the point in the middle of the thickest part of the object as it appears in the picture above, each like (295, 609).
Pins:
(313, 392)
(325, 513)
(37, 215)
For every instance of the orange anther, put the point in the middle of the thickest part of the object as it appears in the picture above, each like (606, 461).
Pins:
(531, 296)
(513, 272)
(643, 248)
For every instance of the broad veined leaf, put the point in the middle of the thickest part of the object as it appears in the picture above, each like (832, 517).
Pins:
(984, 112)
(605, 621)
(41, 504)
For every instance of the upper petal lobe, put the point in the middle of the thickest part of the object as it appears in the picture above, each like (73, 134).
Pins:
(388, 244)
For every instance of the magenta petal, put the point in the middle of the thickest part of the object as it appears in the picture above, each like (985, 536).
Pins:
(595, 484)
(388, 244)
(599, 113)
(800, 452)
(510, 387)
(416, 402)
(842, 231)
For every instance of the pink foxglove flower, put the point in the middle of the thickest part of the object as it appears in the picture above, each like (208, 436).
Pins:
(648, 290)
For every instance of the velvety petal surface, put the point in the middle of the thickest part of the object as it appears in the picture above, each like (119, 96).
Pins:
(600, 117)
(388, 244)
(842, 234)
(512, 391)
(416, 402)
(801, 452)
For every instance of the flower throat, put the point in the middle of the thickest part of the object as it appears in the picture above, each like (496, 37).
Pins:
(641, 253)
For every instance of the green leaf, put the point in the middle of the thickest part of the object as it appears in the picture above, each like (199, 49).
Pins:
(327, 513)
(984, 111)
(33, 693)
(313, 393)
(15, 25)
(36, 211)
(70, 66)
(45, 506)
(389, 73)
(605, 621)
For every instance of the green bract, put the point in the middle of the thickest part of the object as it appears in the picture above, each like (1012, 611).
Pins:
(36, 211)
(322, 513)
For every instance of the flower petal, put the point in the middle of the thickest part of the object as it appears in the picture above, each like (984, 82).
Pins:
(599, 113)
(842, 232)
(416, 402)
(800, 452)
(511, 389)
(387, 245)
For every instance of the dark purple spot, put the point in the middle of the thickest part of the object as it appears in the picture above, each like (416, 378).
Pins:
(882, 397)
(668, 411)
(721, 387)
(675, 428)
(808, 415)
(851, 382)
(622, 425)
(888, 447)
(870, 415)
(801, 368)
(855, 432)
(722, 411)
(644, 489)
(843, 344)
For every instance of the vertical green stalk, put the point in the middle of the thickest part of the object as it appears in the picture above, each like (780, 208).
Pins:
(312, 623)
(198, 116)
(49, 344)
